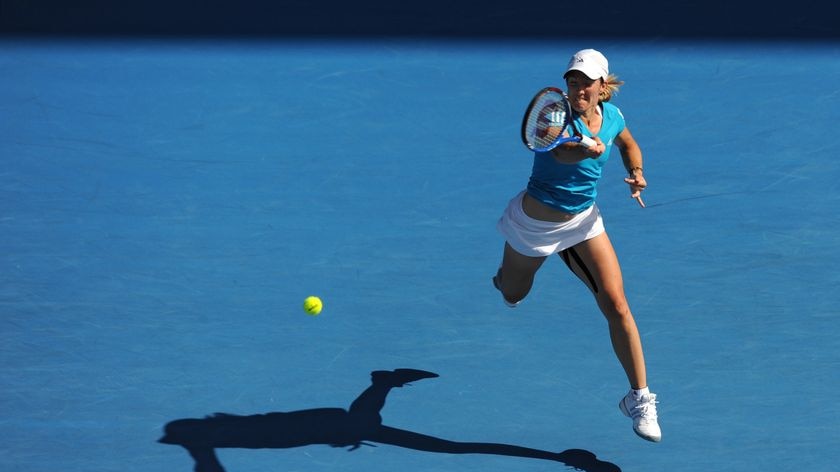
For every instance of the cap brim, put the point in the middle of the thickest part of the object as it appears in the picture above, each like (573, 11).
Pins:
(584, 72)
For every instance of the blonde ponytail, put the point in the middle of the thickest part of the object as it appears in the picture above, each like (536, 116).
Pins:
(611, 87)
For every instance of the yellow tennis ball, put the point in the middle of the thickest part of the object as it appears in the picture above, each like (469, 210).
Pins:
(312, 305)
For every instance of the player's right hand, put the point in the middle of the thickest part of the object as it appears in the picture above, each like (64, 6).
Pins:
(594, 152)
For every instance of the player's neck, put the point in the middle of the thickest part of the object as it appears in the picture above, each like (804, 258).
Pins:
(592, 118)
(589, 113)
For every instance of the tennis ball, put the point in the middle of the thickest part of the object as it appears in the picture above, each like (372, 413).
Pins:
(312, 305)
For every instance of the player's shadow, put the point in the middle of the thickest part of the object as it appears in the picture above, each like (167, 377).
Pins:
(338, 427)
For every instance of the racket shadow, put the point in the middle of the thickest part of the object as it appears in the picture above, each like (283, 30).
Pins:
(688, 199)
(359, 425)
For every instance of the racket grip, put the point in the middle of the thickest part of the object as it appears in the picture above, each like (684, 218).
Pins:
(586, 141)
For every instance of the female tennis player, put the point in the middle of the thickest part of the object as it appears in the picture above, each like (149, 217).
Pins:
(557, 214)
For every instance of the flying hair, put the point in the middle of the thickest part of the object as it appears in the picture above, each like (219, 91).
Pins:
(612, 84)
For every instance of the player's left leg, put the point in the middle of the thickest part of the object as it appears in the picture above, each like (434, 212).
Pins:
(594, 261)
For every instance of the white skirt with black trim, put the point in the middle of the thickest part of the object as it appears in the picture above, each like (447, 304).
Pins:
(538, 238)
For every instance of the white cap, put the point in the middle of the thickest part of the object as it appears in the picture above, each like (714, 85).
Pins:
(591, 62)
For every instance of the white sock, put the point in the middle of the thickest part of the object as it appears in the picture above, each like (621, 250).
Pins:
(638, 393)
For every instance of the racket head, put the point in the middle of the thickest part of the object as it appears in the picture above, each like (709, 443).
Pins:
(546, 119)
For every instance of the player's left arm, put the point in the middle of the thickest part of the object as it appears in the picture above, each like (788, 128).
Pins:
(631, 155)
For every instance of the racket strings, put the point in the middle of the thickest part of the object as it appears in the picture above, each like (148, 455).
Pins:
(547, 118)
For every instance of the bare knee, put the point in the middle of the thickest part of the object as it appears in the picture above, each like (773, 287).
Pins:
(615, 308)
(516, 274)
(514, 286)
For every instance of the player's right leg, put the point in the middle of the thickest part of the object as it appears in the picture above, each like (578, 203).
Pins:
(515, 276)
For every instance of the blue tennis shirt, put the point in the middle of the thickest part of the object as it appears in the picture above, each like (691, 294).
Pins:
(572, 187)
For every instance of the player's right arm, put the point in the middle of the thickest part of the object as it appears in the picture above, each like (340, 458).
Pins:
(572, 153)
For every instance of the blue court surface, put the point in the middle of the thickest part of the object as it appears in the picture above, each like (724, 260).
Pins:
(165, 207)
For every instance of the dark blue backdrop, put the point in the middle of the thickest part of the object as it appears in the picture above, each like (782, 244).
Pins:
(657, 19)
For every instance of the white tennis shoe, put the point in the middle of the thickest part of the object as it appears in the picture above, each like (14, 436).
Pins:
(643, 412)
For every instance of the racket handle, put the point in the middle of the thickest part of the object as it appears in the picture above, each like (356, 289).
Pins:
(586, 141)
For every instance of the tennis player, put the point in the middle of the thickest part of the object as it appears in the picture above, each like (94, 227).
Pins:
(557, 214)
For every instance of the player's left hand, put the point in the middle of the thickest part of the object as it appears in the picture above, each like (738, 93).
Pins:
(637, 183)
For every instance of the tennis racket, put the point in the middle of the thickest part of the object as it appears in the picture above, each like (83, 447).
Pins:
(546, 120)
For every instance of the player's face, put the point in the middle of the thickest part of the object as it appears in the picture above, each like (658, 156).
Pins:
(583, 91)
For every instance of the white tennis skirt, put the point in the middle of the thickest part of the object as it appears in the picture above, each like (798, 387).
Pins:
(538, 238)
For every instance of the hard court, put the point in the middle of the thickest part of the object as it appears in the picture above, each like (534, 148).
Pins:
(166, 206)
